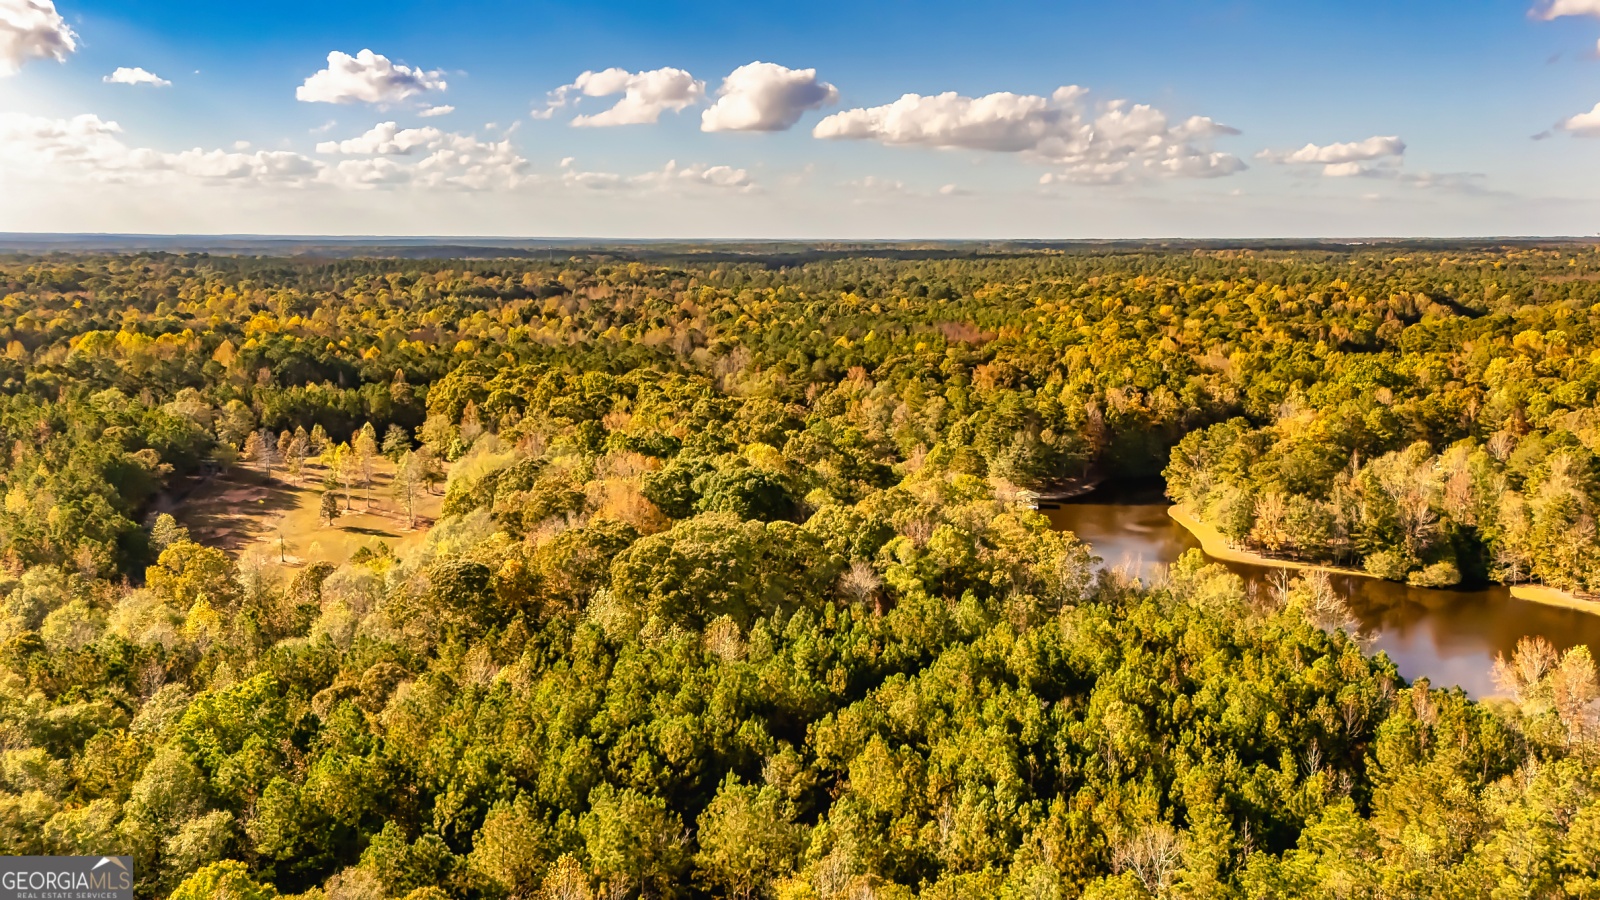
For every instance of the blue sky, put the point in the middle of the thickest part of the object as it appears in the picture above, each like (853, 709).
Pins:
(1209, 119)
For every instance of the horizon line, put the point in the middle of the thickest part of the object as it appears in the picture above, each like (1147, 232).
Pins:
(7, 237)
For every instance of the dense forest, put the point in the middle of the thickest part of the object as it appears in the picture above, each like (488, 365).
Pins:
(737, 592)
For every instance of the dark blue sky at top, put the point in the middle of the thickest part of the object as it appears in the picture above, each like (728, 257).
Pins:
(1234, 51)
(1369, 64)
(1466, 83)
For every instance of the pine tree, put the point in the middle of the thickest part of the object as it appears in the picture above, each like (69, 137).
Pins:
(166, 531)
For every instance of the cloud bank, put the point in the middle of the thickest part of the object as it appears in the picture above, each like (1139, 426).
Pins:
(1118, 142)
(88, 149)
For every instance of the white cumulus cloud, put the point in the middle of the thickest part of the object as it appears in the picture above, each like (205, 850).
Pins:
(367, 77)
(385, 139)
(467, 162)
(1583, 124)
(433, 111)
(369, 173)
(1555, 9)
(446, 160)
(1119, 141)
(263, 166)
(32, 29)
(1344, 170)
(645, 95)
(700, 174)
(1335, 154)
(462, 162)
(1001, 122)
(763, 96)
(135, 75)
(1343, 160)
(1378, 157)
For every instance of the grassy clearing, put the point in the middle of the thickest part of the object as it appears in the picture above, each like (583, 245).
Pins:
(247, 512)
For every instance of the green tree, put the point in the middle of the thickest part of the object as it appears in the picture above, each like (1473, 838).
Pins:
(407, 485)
(365, 456)
(166, 531)
(513, 848)
(634, 843)
(746, 839)
(341, 466)
(429, 467)
(253, 449)
(294, 458)
(396, 443)
(236, 423)
(226, 880)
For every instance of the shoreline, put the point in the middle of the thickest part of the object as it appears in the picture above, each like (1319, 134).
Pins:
(1549, 596)
(1216, 546)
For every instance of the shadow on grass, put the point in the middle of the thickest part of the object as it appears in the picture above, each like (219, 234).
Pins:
(369, 532)
(236, 508)
(244, 508)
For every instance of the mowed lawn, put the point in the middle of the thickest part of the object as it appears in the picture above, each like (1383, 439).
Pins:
(251, 513)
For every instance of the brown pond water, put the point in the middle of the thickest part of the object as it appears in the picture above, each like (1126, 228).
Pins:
(1451, 637)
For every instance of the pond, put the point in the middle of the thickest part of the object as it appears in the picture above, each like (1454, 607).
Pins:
(1451, 637)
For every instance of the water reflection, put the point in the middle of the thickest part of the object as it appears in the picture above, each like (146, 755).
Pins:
(1449, 636)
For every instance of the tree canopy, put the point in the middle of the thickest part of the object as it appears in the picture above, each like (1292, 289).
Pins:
(737, 592)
